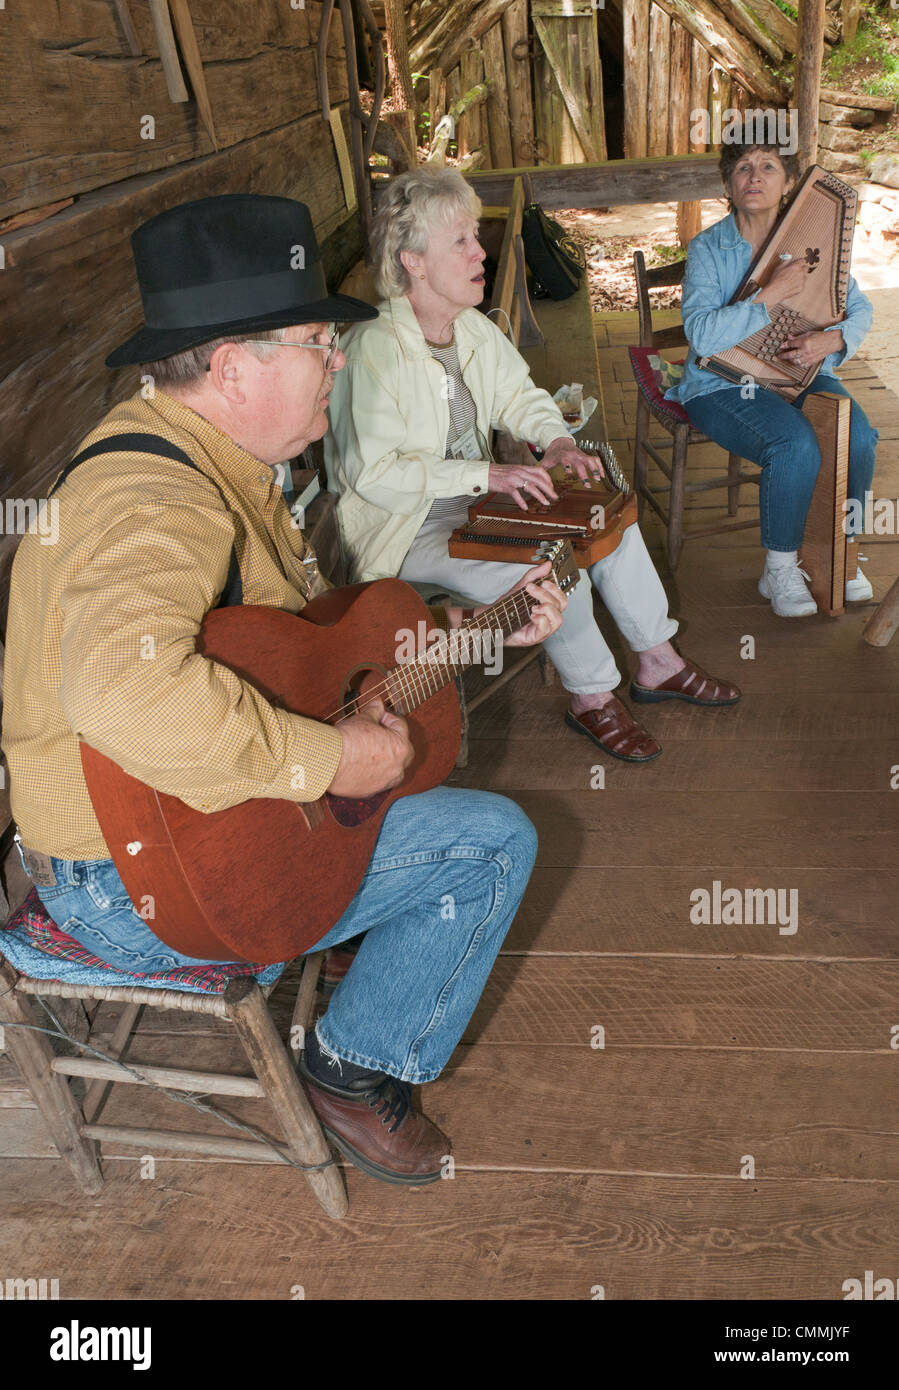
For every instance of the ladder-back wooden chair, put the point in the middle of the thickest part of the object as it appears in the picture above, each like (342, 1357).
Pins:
(651, 404)
(48, 979)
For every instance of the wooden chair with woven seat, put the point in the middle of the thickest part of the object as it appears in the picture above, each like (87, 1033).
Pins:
(73, 1127)
(651, 404)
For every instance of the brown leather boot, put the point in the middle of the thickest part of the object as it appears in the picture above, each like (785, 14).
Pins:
(375, 1124)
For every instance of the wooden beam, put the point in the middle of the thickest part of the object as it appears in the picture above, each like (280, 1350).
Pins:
(807, 90)
(742, 18)
(423, 52)
(609, 183)
(518, 77)
(729, 48)
(851, 10)
(467, 33)
(636, 77)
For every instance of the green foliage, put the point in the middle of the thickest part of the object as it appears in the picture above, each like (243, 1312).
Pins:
(788, 10)
(867, 157)
(663, 255)
(872, 49)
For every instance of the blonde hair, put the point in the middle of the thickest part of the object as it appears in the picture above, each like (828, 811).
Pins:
(409, 209)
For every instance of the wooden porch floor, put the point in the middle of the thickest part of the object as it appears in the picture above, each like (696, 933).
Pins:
(729, 1050)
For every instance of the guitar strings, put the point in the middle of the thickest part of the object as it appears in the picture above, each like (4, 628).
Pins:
(509, 607)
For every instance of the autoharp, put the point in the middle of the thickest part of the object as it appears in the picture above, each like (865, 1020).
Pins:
(593, 517)
(817, 228)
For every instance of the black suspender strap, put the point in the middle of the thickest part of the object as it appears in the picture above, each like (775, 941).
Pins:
(232, 595)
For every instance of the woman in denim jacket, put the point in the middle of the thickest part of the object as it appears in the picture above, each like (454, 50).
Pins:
(767, 428)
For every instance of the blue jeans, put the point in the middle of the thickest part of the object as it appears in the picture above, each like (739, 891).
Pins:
(449, 869)
(773, 433)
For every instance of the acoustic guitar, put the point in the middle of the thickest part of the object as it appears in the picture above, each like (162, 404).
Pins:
(264, 880)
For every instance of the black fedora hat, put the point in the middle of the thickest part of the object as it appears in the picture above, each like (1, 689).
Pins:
(238, 263)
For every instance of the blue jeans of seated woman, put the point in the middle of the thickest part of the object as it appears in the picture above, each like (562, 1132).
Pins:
(449, 869)
(774, 433)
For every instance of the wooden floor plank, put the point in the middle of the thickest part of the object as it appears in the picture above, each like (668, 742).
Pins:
(844, 914)
(494, 1236)
(737, 1003)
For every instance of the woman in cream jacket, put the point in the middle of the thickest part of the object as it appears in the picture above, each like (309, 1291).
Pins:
(407, 452)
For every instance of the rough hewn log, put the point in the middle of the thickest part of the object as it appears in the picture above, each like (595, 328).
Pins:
(807, 86)
(741, 17)
(423, 51)
(719, 95)
(657, 106)
(68, 294)
(518, 76)
(851, 10)
(729, 48)
(700, 67)
(470, 132)
(636, 76)
(680, 51)
(468, 33)
(52, 150)
(436, 97)
(783, 30)
(398, 64)
(498, 124)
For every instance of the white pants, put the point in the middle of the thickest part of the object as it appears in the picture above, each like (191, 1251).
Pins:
(626, 581)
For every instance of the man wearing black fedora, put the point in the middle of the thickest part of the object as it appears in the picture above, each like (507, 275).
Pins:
(171, 508)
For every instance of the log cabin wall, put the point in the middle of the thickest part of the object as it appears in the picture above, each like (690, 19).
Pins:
(90, 126)
(577, 81)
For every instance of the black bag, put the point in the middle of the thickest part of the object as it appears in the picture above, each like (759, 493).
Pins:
(554, 258)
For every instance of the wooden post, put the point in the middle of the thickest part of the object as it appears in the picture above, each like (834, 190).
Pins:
(398, 66)
(518, 77)
(497, 100)
(636, 77)
(807, 85)
(659, 40)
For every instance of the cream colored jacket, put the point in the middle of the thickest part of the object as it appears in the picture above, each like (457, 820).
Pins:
(390, 418)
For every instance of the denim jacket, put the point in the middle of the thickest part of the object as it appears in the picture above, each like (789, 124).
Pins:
(717, 260)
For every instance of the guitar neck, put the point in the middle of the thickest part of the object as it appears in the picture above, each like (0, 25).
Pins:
(413, 682)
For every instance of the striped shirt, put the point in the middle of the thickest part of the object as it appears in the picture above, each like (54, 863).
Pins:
(463, 417)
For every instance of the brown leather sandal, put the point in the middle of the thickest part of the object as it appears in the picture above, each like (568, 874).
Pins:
(692, 684)
(615, 732)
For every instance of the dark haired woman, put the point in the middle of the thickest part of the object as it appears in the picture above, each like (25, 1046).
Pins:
(768, 429)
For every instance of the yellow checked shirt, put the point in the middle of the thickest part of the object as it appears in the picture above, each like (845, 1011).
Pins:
(102, 628)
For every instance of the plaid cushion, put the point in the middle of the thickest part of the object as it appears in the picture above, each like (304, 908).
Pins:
(653, 376)
(34, 944)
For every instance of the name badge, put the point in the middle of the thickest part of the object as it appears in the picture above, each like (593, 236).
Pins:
(467, 446)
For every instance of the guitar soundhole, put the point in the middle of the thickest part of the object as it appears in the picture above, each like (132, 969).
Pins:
(349, 812)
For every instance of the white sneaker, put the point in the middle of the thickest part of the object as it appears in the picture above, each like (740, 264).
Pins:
(858, 589)
(787, 590)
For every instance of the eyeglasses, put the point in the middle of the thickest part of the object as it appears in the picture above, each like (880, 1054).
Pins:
(330, 347)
